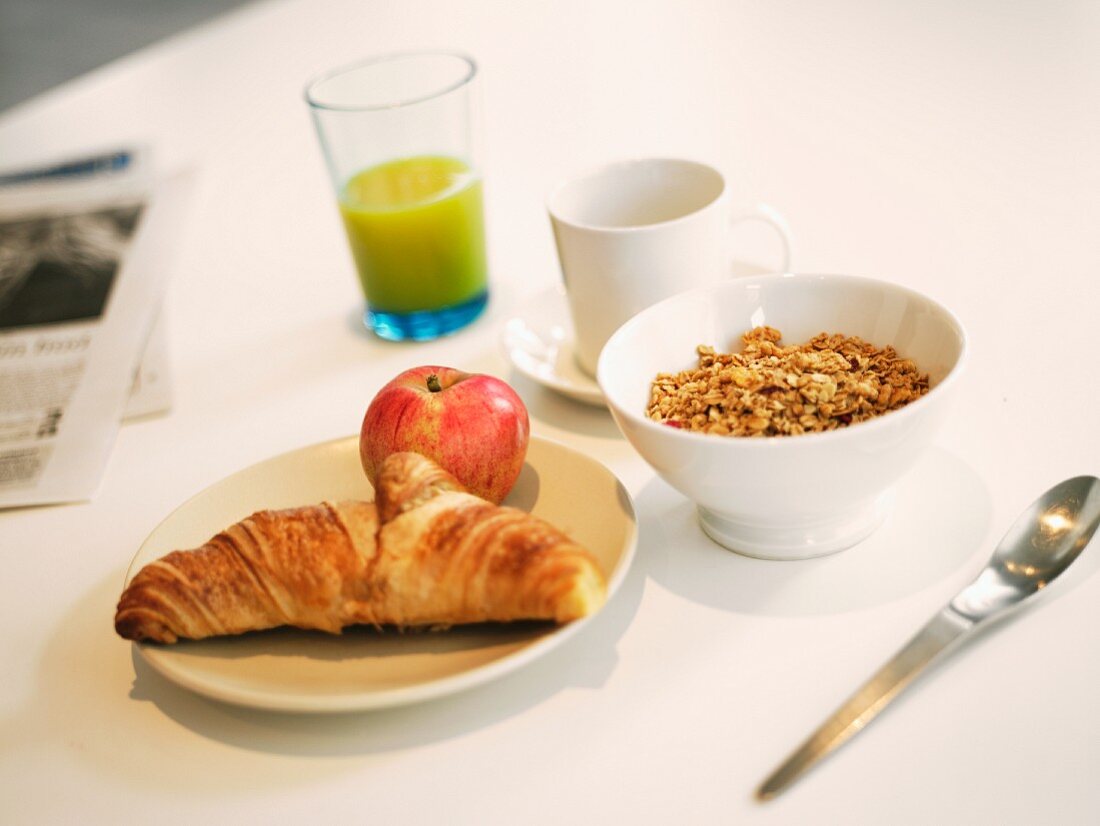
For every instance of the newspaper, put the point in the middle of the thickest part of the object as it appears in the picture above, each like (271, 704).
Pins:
(84, 249)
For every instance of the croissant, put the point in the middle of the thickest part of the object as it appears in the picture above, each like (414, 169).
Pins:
(426, 553)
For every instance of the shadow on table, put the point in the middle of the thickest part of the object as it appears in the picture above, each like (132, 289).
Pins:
(940, 519)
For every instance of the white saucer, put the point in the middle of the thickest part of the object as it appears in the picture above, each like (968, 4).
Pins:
(539, 343)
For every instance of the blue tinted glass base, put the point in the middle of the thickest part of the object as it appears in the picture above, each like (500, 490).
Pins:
(425, 324)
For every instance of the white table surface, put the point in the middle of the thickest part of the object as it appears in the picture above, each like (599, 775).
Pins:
(948, 147)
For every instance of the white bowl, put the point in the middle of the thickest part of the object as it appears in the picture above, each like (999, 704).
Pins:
(784, 497)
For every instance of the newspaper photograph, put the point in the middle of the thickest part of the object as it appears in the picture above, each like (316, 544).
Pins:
(83, 264)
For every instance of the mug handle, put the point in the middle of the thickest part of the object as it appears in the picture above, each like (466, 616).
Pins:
(773, 218)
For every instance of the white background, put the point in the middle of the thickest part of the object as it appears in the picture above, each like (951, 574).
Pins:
(948, 147)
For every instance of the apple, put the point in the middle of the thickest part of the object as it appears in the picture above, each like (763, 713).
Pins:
(474, 426)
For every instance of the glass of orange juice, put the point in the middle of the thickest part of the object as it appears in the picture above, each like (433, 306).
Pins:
(398, 134)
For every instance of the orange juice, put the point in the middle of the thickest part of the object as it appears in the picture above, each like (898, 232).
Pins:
(416, 231)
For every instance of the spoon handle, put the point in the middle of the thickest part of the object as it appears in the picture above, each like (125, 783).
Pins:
(945, 628)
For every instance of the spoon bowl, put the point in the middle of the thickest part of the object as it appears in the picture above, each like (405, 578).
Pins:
(1043, 541)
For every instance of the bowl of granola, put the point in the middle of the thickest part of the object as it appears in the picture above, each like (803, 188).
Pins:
(786, 407)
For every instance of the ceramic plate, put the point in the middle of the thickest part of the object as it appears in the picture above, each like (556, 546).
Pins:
(293, 670)
(539, 343)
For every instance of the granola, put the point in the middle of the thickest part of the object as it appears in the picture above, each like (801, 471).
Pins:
(772, 389)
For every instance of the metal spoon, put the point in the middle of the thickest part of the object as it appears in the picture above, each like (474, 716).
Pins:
(1042, 542)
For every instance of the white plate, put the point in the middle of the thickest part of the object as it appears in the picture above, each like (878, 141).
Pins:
(292, 670)
(539, 343)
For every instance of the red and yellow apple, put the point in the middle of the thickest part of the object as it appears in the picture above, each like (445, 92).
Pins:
(474, 426)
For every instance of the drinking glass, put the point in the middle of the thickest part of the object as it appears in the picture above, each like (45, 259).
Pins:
(398, 135)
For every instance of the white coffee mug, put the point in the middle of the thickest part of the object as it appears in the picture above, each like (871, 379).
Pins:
(632, 233)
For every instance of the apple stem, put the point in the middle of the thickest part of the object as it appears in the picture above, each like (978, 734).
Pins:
(433, 383)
